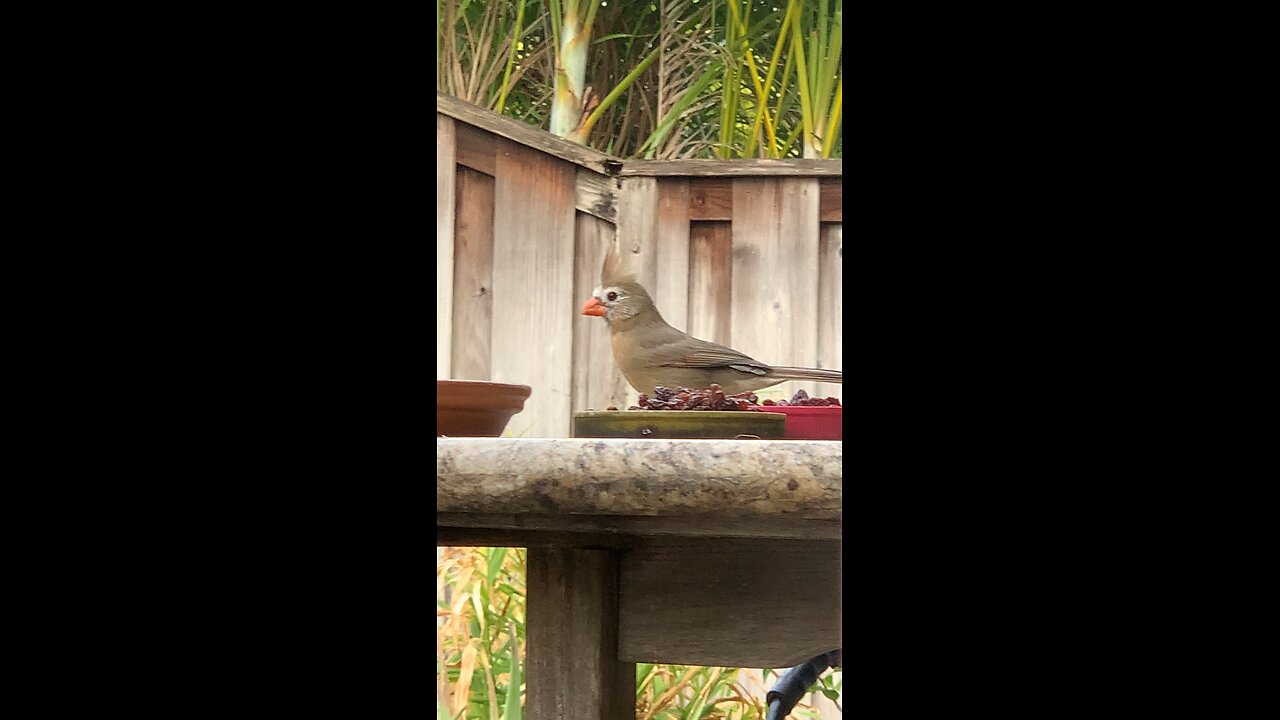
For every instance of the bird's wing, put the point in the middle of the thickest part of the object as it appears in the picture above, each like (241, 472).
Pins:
(717, 356)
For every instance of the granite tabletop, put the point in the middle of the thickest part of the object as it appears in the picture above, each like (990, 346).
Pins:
(635, 477)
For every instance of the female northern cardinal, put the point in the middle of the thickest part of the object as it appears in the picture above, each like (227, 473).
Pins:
(651, 353)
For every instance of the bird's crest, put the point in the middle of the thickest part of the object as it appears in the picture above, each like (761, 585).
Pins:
(615, 272)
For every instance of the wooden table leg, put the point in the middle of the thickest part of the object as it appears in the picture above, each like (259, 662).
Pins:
(572, 638)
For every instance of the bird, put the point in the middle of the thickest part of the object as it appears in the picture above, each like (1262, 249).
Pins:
(651, 353)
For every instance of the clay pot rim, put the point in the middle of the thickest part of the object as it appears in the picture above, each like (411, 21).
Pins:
(480, 395)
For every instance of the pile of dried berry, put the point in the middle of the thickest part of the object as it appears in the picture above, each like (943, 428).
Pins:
(802, 398)
(712, 398)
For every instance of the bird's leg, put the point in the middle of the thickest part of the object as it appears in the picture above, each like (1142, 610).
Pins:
(794, 682)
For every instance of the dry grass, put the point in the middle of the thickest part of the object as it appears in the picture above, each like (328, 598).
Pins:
(480, 652)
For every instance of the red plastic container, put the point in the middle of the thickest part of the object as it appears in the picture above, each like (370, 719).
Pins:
(810, 422)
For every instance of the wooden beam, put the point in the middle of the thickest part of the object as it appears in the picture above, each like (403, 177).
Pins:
(741, 168)
(526, 134)
(572, 638)
(634, 527)
(729, 603)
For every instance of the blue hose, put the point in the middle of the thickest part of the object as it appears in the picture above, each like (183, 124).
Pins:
(794, 682)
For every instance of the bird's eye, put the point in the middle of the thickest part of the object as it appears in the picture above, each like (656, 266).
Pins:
(613, 296)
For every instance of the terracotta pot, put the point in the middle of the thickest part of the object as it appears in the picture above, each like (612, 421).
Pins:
(812, 422)
(685, 424)
(473, 408)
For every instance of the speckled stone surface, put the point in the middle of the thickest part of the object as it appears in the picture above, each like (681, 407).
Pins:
(730, 478)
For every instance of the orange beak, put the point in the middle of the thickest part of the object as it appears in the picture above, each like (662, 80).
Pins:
(595, 307)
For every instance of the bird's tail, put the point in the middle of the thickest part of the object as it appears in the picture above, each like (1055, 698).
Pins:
(791, 373)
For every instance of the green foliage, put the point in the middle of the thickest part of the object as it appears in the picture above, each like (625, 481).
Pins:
(667, 79)
(480, 652)
(480, 630)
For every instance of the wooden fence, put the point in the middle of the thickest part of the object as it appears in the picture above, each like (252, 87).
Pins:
(746, 253)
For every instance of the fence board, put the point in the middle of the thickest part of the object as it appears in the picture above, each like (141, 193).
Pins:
(831, 206)
(831, 305)
(637, 238)
(597, 381)
(445, 198)
(671, 292)
(710, 199)
(473, 276)
(710, 278)
(476, 148)
(775, 268)
(533, 300)
(638, 228)
(597, 194)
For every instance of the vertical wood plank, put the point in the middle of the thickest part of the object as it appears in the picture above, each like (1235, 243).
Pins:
(446, 146)
(638, 228)
(572, 638)
(637, 233)
(831, 306)
(473, 276)
(710, 280)
(671, 293)
(775, 275)
(597, 381)
(533, 300)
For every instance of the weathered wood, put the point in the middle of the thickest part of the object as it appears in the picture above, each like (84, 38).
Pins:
(473, 276)
(831, 305)
(671, 289)
(477, 149)
(735, 168)
(710, 281)
(710, 199)
(597, 194)
(775, 275)
(638, 228)
(572, 638)
(525, 134)
(638, 239)
(533, 300)
(624, 530)
(597, 381)
(730, 603)
(831, 203)
(445, 198)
